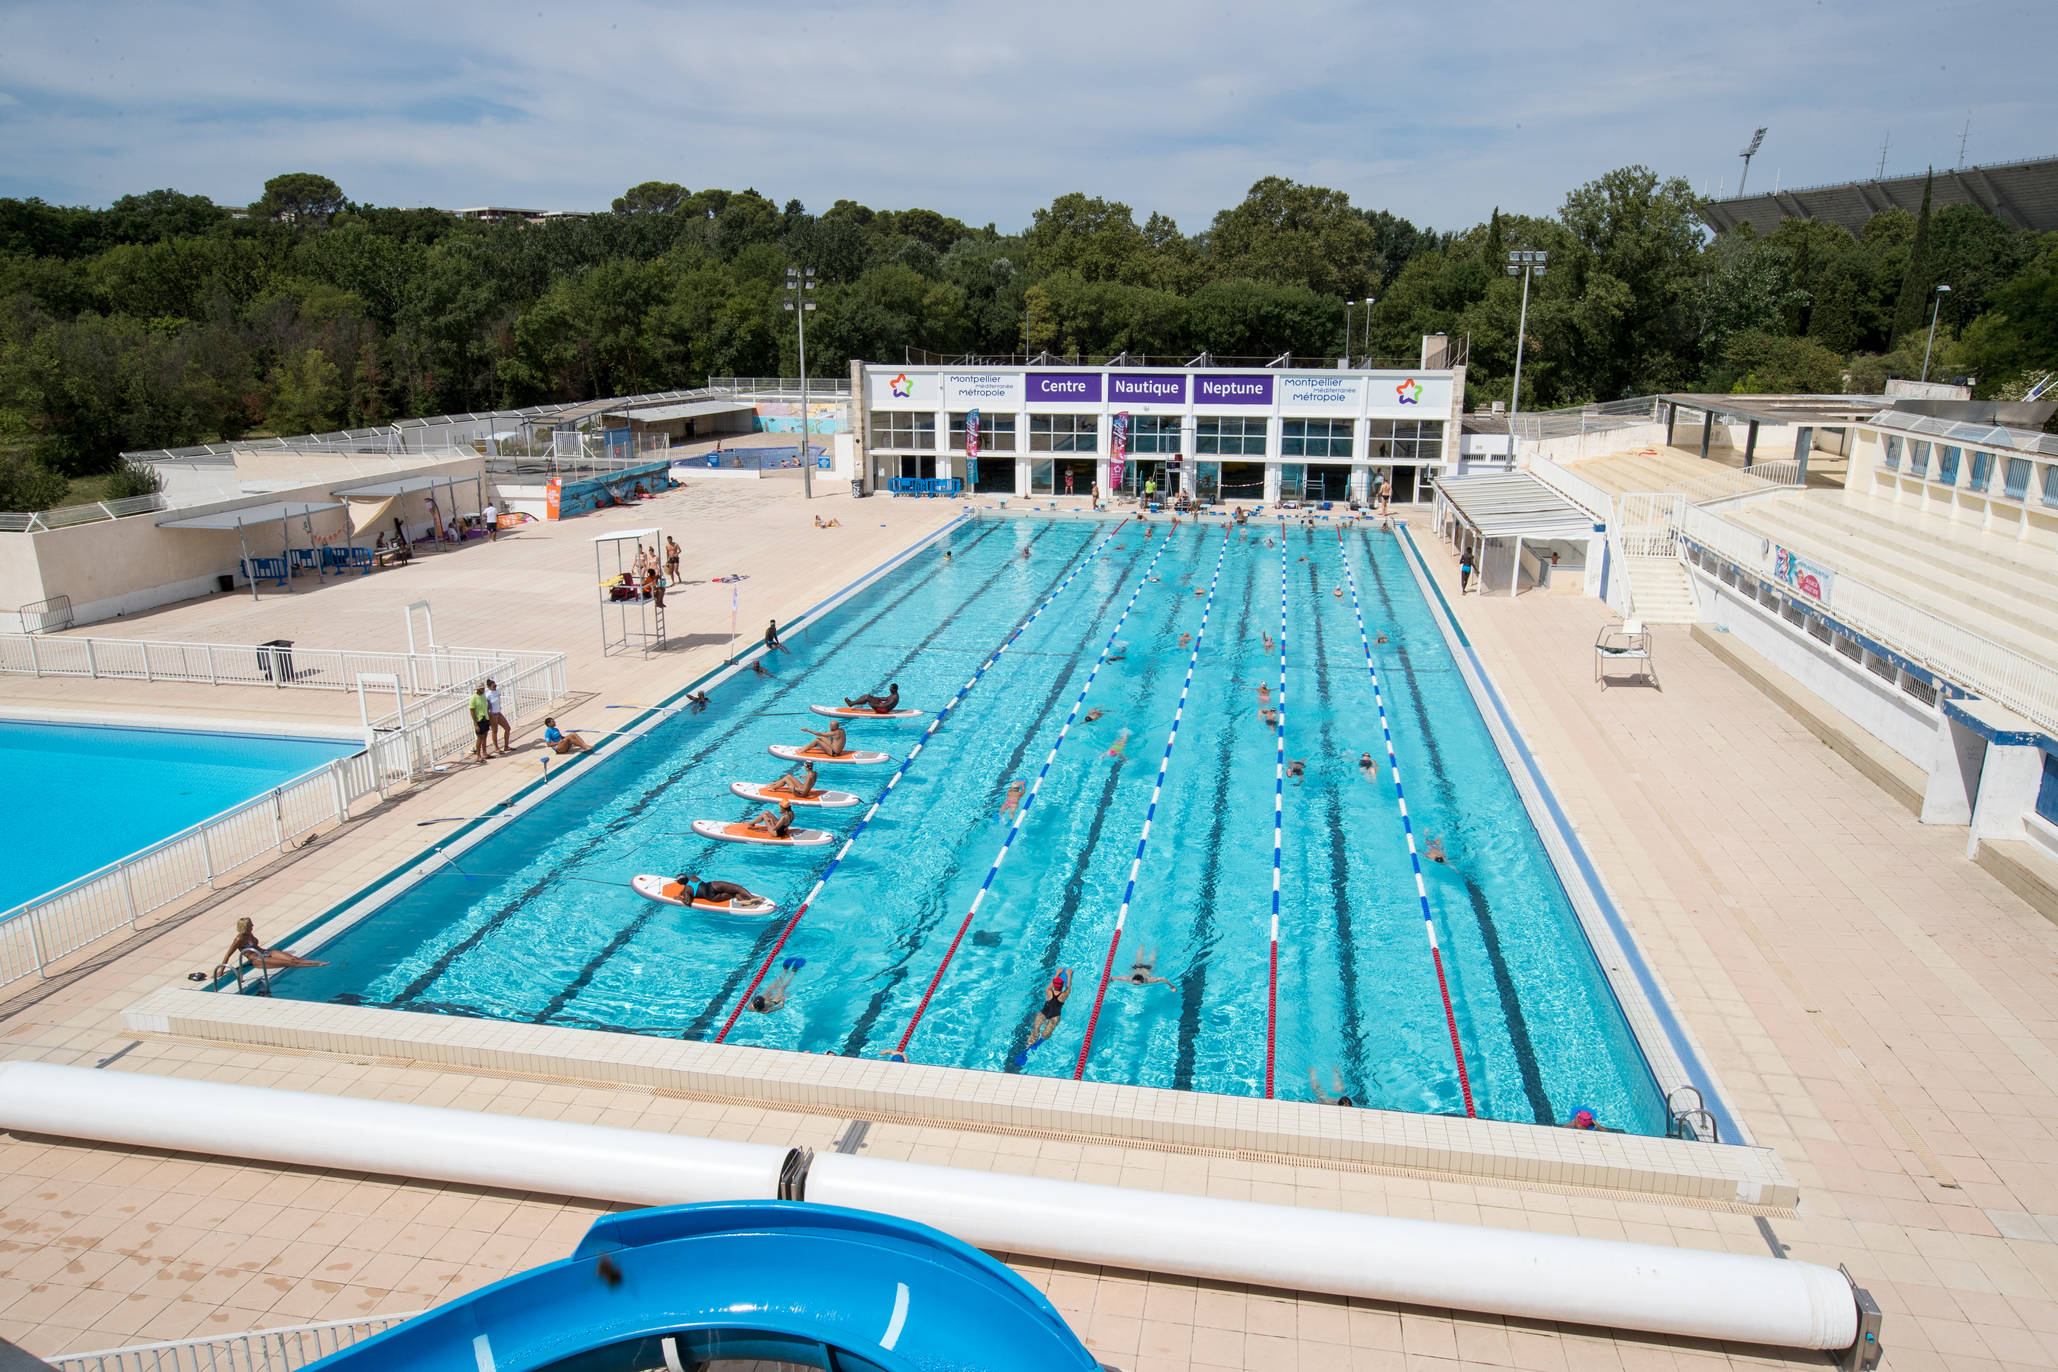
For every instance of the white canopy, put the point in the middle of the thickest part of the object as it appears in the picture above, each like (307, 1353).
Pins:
(624, 535)
(657, 414)
(405, 485)
(1514, 506)
(250, 516)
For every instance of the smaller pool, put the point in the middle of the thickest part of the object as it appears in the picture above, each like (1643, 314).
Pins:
(85, 795)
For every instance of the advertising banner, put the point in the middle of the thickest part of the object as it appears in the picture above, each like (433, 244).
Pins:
(1809, 578)
(1146, 388)
(1233, 390)
(985, 390)
(1322, 393)
(901, 390)
(553, 495)
(1044, 388)
(1401, 396)
(1118, 449)
(972, 447)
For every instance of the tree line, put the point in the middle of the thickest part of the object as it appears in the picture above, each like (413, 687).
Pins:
(166, 319)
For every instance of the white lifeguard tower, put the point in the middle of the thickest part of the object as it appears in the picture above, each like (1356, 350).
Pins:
(634, 621)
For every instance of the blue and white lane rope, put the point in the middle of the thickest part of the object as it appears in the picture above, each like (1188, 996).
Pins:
(1022, 811)
(1157, 791)
(1393, 767)
(901, 771)
(1278, 830)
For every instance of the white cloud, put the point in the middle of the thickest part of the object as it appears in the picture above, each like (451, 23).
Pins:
(1435, 112)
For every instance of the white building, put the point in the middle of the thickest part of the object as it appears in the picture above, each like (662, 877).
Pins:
(1211, 432)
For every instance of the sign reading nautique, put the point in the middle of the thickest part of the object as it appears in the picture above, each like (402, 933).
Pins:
(1232, 390)
(1064, 387)
(1147, 388)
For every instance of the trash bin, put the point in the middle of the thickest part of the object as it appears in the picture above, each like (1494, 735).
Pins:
(857, 490)
(225, 582)
(275, 659)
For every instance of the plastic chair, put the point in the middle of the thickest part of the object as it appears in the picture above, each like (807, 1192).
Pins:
(1628, 642)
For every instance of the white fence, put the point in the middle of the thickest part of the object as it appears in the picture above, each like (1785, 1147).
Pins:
(269, 1350)
(252, 664)
(403, 745)
(1595, 499)
(81, 514)
(1951, 651)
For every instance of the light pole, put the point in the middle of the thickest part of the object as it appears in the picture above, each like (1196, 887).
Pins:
(800, 292)
(1348, 306)
(1525, 264)
(1938, 296)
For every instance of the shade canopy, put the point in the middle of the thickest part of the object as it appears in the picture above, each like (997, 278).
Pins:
(625, 535)
(698, 409)
(250, 516)
(1514, 506)
(406, 485)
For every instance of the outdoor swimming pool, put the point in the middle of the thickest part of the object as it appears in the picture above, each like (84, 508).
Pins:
(86, 795)
(535, 922)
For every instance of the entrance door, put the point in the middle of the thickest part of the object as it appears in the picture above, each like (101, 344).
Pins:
(913, 465)
(1207, 478)
(1292, 480)
(1327, 482)
(997, 475)
(1243, 481)
(1142, 469)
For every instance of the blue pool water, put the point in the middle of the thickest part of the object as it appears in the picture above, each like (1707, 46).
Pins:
(536, 924)
(86, 795)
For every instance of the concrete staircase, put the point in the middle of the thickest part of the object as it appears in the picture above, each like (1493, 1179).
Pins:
(1659, 592)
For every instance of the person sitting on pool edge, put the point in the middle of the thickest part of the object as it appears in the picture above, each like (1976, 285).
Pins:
(878, 705)
(560, 742)
(828, 743)
(798, 781)
(249, 948)
(689, 888)
(778, 823)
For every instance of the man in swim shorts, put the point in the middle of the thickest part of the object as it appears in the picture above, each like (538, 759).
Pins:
(1142, 972)
(778, 823)
(772, 638)
(558, 741)
(880, 705)
(1297, 769)
(828, 743)
(798, 781)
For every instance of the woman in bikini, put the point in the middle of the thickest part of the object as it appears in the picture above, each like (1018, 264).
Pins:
(798, 782)
(248, 947)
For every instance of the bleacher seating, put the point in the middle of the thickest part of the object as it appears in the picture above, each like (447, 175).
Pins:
(1665, 469)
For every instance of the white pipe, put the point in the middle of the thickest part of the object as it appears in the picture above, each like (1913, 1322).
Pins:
(1416, 1262)
(310, 1130)
(1600, 1282)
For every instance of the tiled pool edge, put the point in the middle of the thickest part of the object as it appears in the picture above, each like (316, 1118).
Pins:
(1661, 1033)
(1482, 1150)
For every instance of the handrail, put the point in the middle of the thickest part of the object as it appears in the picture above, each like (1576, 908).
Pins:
(249, 664)
(272, 1350)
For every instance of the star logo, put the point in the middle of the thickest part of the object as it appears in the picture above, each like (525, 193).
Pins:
(902, 387)
(1410, 392)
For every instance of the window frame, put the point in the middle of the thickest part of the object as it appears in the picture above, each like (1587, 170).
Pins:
(917, 426)
(1297, 439)
(1046, 435)
(1212, 432)
(992, 426)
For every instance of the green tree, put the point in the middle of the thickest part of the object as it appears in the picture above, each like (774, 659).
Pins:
(26, 484)
(651, 197)
(303, 395)
(1771, 363)
(300, 199)
(1911, 311)
(1287, 234)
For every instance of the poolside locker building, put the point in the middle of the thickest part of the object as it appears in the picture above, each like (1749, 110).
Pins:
(1212, 432)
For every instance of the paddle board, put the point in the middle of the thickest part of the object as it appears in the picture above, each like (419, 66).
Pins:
(653, 888)
(739, 832)
(853, 758)
(860, 712)
(758, 790)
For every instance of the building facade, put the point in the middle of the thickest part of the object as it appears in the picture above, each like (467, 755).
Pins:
(1207, 432)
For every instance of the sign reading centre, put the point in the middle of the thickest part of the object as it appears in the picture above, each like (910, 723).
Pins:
(1063, 388)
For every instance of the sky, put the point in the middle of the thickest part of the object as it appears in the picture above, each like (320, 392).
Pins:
(1437, 112)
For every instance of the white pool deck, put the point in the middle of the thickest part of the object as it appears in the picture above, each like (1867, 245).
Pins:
(1880, 1009)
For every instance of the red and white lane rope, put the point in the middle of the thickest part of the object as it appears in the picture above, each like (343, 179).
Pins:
(1022, 812)
(1278, 830)
(1157, 791)
(1393, 769)
(900, 772)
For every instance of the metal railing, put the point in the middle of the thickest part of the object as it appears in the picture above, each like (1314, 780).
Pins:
(1951, 651)
(251, 664)
(266, 1350)
(411, 739)
(64, 515)
(1596, 500)
(828, 389)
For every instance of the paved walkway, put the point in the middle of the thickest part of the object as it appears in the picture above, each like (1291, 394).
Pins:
(1879, 1008)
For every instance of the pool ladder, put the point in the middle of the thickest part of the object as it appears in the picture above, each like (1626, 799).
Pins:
(1692, 1120)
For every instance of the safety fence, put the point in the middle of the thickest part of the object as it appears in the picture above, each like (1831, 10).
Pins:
(267, 1350)
(403, 745)
(1929, 640)
(1595, 499)
(925, 485)
(36, 520)
(279, 664)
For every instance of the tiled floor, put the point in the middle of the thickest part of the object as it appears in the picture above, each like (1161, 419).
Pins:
(1879, 1007)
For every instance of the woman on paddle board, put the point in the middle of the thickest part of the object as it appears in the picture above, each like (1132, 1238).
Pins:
(689, 889)
(778, 823)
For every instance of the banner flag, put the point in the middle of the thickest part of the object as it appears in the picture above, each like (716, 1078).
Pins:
(971, 447)
(1118, 449)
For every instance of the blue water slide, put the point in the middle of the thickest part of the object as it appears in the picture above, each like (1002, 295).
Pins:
(776, 1281)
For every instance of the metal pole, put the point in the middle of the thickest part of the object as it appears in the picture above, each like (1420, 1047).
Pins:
(248, 570)
(1515, 401)
(807, 460)
(1937, 302)
(1347, 333)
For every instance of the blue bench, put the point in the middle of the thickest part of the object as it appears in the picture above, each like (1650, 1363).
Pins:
(304, 559)
(347, 559)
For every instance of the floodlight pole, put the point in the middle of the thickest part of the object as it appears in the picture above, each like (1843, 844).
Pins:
(1348, 306)
(1757, 141)
(803, 287)
(1938, 296)
(1525, 264)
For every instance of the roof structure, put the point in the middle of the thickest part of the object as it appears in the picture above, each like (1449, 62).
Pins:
(1514, 506)
(1829, 410)
(250, 516)
(1964, 431)
(406, 485)
(2022, 195)
(656, 414)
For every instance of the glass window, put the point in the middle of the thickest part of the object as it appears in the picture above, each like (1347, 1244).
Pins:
(2016, 483)
(1948, 458)
(1316, 438)
(1237, 437)
(1405, 440)
(1155, 433)
(1040, 470)
(1982, 470)
(1918, 457)
(1891, 452)
(1064, 433)
(2047, 790)
(2051, 485)
(903, 429)
(996, 432)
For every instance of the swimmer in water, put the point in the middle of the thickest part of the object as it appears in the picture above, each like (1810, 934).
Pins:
(1264, 692)
(1121, 747)
(1368, 766)
(1015, 790)
(1433, 850)
(699, 701)
(1268, 643)
(1380, 639)
(1149, 529)
(1046, 1022)
(1143, 972)
(1120, 651)
(828, 743)
(946, 554)
(1185, 640)
(1298, 770)
(1095, 713)
(1270, 716)
(1025, 554)
(773, 994)
(1342, 1096)
(757, 665)
(1338, 593)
